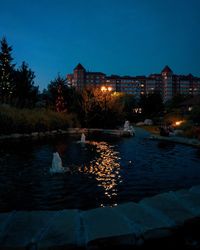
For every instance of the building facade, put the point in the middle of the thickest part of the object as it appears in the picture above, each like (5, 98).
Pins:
(166, 82)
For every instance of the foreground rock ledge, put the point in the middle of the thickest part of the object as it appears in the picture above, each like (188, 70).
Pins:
(130, 224)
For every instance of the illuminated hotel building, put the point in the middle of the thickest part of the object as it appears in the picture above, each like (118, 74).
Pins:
(166, 82)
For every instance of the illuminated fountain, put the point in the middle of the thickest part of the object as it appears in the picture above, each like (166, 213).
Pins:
(57, 166)
(128, 129)
(83, 138)
(126, 126)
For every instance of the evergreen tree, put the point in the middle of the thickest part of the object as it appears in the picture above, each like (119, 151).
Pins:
(6, 72)
(151, 104)
(52, 89)
(56, 93)
(25, 92)
(60, 105)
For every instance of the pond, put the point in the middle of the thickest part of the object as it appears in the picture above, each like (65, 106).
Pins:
(106, 170)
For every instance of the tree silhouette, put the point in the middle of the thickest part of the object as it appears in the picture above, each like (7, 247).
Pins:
(52, 90)
(151, 104)
(25, 92)
(60, 104)
(6, 72)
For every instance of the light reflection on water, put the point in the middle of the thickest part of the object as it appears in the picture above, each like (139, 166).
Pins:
(105, 168)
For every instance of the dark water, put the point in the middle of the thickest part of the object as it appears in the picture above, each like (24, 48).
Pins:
(106, 171)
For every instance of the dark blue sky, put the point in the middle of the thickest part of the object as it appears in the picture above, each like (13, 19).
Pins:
(125, 37)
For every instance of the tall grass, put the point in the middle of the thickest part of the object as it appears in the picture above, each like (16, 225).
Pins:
(13, 120)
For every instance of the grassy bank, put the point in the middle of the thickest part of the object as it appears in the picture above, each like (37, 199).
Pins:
(13, 120)
(187, 131)
(154, 129)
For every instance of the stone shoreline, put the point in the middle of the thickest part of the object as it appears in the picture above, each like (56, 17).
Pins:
(70, 131)
(78, 131)
(126, 225)
(177, 139)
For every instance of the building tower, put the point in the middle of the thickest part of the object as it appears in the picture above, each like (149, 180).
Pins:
(79, 76)
(167, 86)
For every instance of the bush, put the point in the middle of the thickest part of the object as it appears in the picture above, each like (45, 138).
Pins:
(193, 132)
(13, 120)
(186, 125)
(172, 117)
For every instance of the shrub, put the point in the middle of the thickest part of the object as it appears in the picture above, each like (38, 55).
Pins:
(13, 120)
(193, 132)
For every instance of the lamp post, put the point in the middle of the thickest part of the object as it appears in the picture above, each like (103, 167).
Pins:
(105, 90)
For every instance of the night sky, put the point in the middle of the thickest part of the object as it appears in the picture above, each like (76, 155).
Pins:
(125, 37)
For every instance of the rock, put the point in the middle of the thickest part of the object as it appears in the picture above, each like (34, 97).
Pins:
(41, 134)
(178, 132)
(141, 220)
(167, 207)
(140, 124)
(63, 232)
(47, 133)
(195, 189)
(16, 136)
(54, 132)
(5, 219)
(107, 223)
(157, 233)
(148, 122)
(23, 228)
(26, 135)
(126, 133)
(189, 200)
(34, 134)
(2, 137)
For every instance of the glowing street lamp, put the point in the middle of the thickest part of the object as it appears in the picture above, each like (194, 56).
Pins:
(178, 123)
(105, 89)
